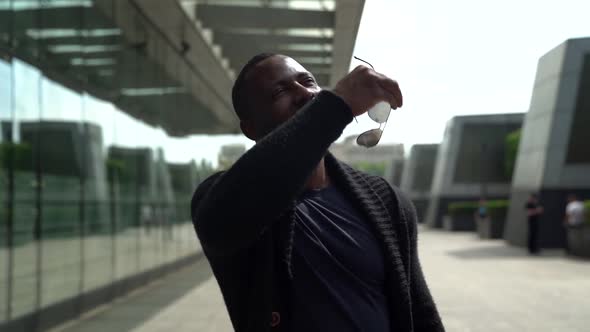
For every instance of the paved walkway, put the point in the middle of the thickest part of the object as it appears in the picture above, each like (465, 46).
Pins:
(479, 286)
(487, 286)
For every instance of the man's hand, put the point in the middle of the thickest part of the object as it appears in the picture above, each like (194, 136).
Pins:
(363, 88)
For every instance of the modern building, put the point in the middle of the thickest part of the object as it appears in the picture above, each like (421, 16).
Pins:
(229, 154)
(471, 162)
(376, 160)
(417, 176)
(395, 170)
(554, 156)
(97, 98)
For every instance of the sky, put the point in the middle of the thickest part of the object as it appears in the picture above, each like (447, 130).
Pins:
(457, 57)
(453, 57)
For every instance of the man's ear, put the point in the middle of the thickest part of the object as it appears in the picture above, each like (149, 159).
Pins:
(248, 129)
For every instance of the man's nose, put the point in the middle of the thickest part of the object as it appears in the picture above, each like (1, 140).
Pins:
(303, 95)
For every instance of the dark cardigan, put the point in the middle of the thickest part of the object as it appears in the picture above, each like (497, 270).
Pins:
(244, 219)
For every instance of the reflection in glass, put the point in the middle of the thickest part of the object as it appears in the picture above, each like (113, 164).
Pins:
(5, 156)
(25, 232)
(98, 247)
(94, 198)
(183, 179)
(5, 24)
(130, 175)
(61, 152)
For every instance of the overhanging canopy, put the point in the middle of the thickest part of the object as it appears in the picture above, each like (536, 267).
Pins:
(171, 63)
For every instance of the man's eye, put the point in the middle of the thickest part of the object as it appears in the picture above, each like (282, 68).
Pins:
(276, 93)
(309, 80)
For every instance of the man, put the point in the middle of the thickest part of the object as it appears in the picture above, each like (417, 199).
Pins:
(534, 210)
(482, 210)
(574, 211)
(297, 240)
(575, 216)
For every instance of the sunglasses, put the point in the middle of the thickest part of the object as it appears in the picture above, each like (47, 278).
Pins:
(378, 113)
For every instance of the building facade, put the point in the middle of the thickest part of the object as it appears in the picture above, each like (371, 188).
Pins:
(417, 176)
(553, 157)
(470, 162)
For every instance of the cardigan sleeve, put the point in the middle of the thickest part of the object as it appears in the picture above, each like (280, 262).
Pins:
(232, 210)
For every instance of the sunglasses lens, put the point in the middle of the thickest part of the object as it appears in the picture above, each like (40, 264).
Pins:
(369, 138)
(380, 112)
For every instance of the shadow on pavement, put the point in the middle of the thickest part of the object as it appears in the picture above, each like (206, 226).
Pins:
(129, 312)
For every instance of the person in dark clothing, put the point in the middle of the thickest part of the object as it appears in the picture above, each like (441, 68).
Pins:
(534, 210)
(297, 240)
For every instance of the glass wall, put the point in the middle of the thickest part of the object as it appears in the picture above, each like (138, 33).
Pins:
(88, 196)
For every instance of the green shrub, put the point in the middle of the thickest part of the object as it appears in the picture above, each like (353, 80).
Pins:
(511, 143)
(373, 168)
(118, 170)
(461, 208)
(495, 207)
(16, 155)
(587, 209)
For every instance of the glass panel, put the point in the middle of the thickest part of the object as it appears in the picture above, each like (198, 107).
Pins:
(149, 213)
(24, 19)
(5, 156)
(94, 53)
(122, 169)
(5, 23)
(98, 246)
(166, 197)
(145, 89)
(61, 153)
(26, 211)
(101, 213)
(100, 192)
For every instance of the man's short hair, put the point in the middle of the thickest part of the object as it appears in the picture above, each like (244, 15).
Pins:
(239, 93)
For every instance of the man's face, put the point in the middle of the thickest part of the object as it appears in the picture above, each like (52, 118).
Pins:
(278, 87)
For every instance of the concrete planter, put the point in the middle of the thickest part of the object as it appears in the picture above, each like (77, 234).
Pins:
(579, 240)
(491, 227)
(457, 223)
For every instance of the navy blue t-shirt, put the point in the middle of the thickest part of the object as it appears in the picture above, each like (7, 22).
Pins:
(338, 268)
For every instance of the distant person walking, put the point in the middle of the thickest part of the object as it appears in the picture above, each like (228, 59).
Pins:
(534, 210)
(574, 211)
(482, 210)
(574, 216)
